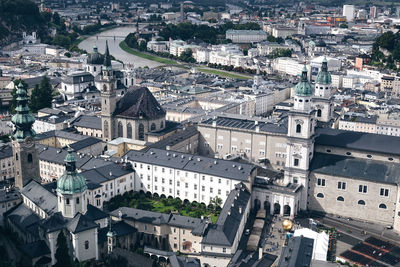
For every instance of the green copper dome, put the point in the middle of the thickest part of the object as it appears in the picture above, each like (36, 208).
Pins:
(303, 88)
(22, 120)
(71, 182)
(324, 77)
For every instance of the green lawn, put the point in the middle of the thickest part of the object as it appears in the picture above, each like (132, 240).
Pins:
(164, 205)
(224, 74)
(135, 52)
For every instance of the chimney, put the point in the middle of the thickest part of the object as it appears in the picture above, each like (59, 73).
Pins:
(240, 210)
(168, 147)
(257, 128)
(260, 252)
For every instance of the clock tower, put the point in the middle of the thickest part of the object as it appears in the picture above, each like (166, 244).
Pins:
(108, 88)
(26, 162)
(300, 138)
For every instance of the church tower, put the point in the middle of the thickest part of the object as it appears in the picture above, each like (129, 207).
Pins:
(322, 95)
(300, 138)
(108, 97)
(71, 189)
(26, 162)
(111, 239)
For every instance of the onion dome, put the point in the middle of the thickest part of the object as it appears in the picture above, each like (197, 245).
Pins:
(324, 77)
(95, 58)
(303, 88)
(22, 120)
(71, 182)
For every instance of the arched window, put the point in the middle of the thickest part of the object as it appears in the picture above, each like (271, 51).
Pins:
(382, 206)
(319, 113)
(153, 127)
(30, 158)
(120, 129)
(141, 132)
(104, 87)
(126, 81)
(162, 124)
(131, 81)
(340, 198)
(16, 156)
(77, 200)
(361, 202)
(106, 129)
(86, 244)
(67, 200)
(129, 130)
(298, 128)
(320, 195)
(94, 68)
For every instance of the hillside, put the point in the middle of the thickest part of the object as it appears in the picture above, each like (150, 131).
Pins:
(17, 16)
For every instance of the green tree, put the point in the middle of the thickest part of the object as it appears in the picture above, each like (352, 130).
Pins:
(216, 202)
(62, 255)
(280, 52)
(344, 26)
(41, 96)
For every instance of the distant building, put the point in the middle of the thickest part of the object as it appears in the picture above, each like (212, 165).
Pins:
(246, 36)
(349, 12)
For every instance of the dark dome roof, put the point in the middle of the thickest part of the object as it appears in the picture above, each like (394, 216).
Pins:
(139, 102)
(321, 43)
(95, 58)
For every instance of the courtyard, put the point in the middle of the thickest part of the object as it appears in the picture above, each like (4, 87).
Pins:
(156, 203)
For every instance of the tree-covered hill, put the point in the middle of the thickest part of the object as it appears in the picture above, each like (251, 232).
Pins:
(386, 50)
(17, 16)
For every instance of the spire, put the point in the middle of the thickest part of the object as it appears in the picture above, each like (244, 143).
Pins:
(304, 77)
(303, 88)
(107, 57)
(22, 120)
(70, 161)
(324, 77)
(71, 181)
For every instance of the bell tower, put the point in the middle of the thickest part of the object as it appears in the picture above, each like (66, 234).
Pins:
(26, 162)
(108, 97)
(322, 95)
(71, 189)
(300, 138)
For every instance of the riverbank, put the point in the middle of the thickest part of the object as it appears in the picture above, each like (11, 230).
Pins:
(144, 55)
(224, 74)
(166, 61)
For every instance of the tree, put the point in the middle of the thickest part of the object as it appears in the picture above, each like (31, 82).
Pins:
(344, 26)
(41, 96)
(280, 52)
(62, 255)
(217, 202)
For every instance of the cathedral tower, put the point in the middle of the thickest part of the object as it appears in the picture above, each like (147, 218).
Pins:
(108, 97)
(300, 139)
(322, 96)
(26, 162)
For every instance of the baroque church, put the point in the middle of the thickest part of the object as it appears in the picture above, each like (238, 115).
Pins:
(47, 210)
(132, 115)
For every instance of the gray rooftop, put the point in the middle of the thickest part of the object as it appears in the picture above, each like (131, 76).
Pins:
(5, 151)
(43, 198)
(298, 252)
(247, 124)
(86, 121)
(189, 162)
(9, 195)
(356, 168)
(358, 141)
(223, 233)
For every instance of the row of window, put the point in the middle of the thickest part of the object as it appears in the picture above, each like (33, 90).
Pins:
(360, 202)
(361, 188)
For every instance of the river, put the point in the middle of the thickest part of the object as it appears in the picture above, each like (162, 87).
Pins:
(120, 33)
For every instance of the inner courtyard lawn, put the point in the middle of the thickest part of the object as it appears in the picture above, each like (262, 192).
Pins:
(140, 200)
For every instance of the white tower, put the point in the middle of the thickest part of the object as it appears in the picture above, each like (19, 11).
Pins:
(129, 75)
(71, 189)
(111, 239)
(300, 138)
(322, 95)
